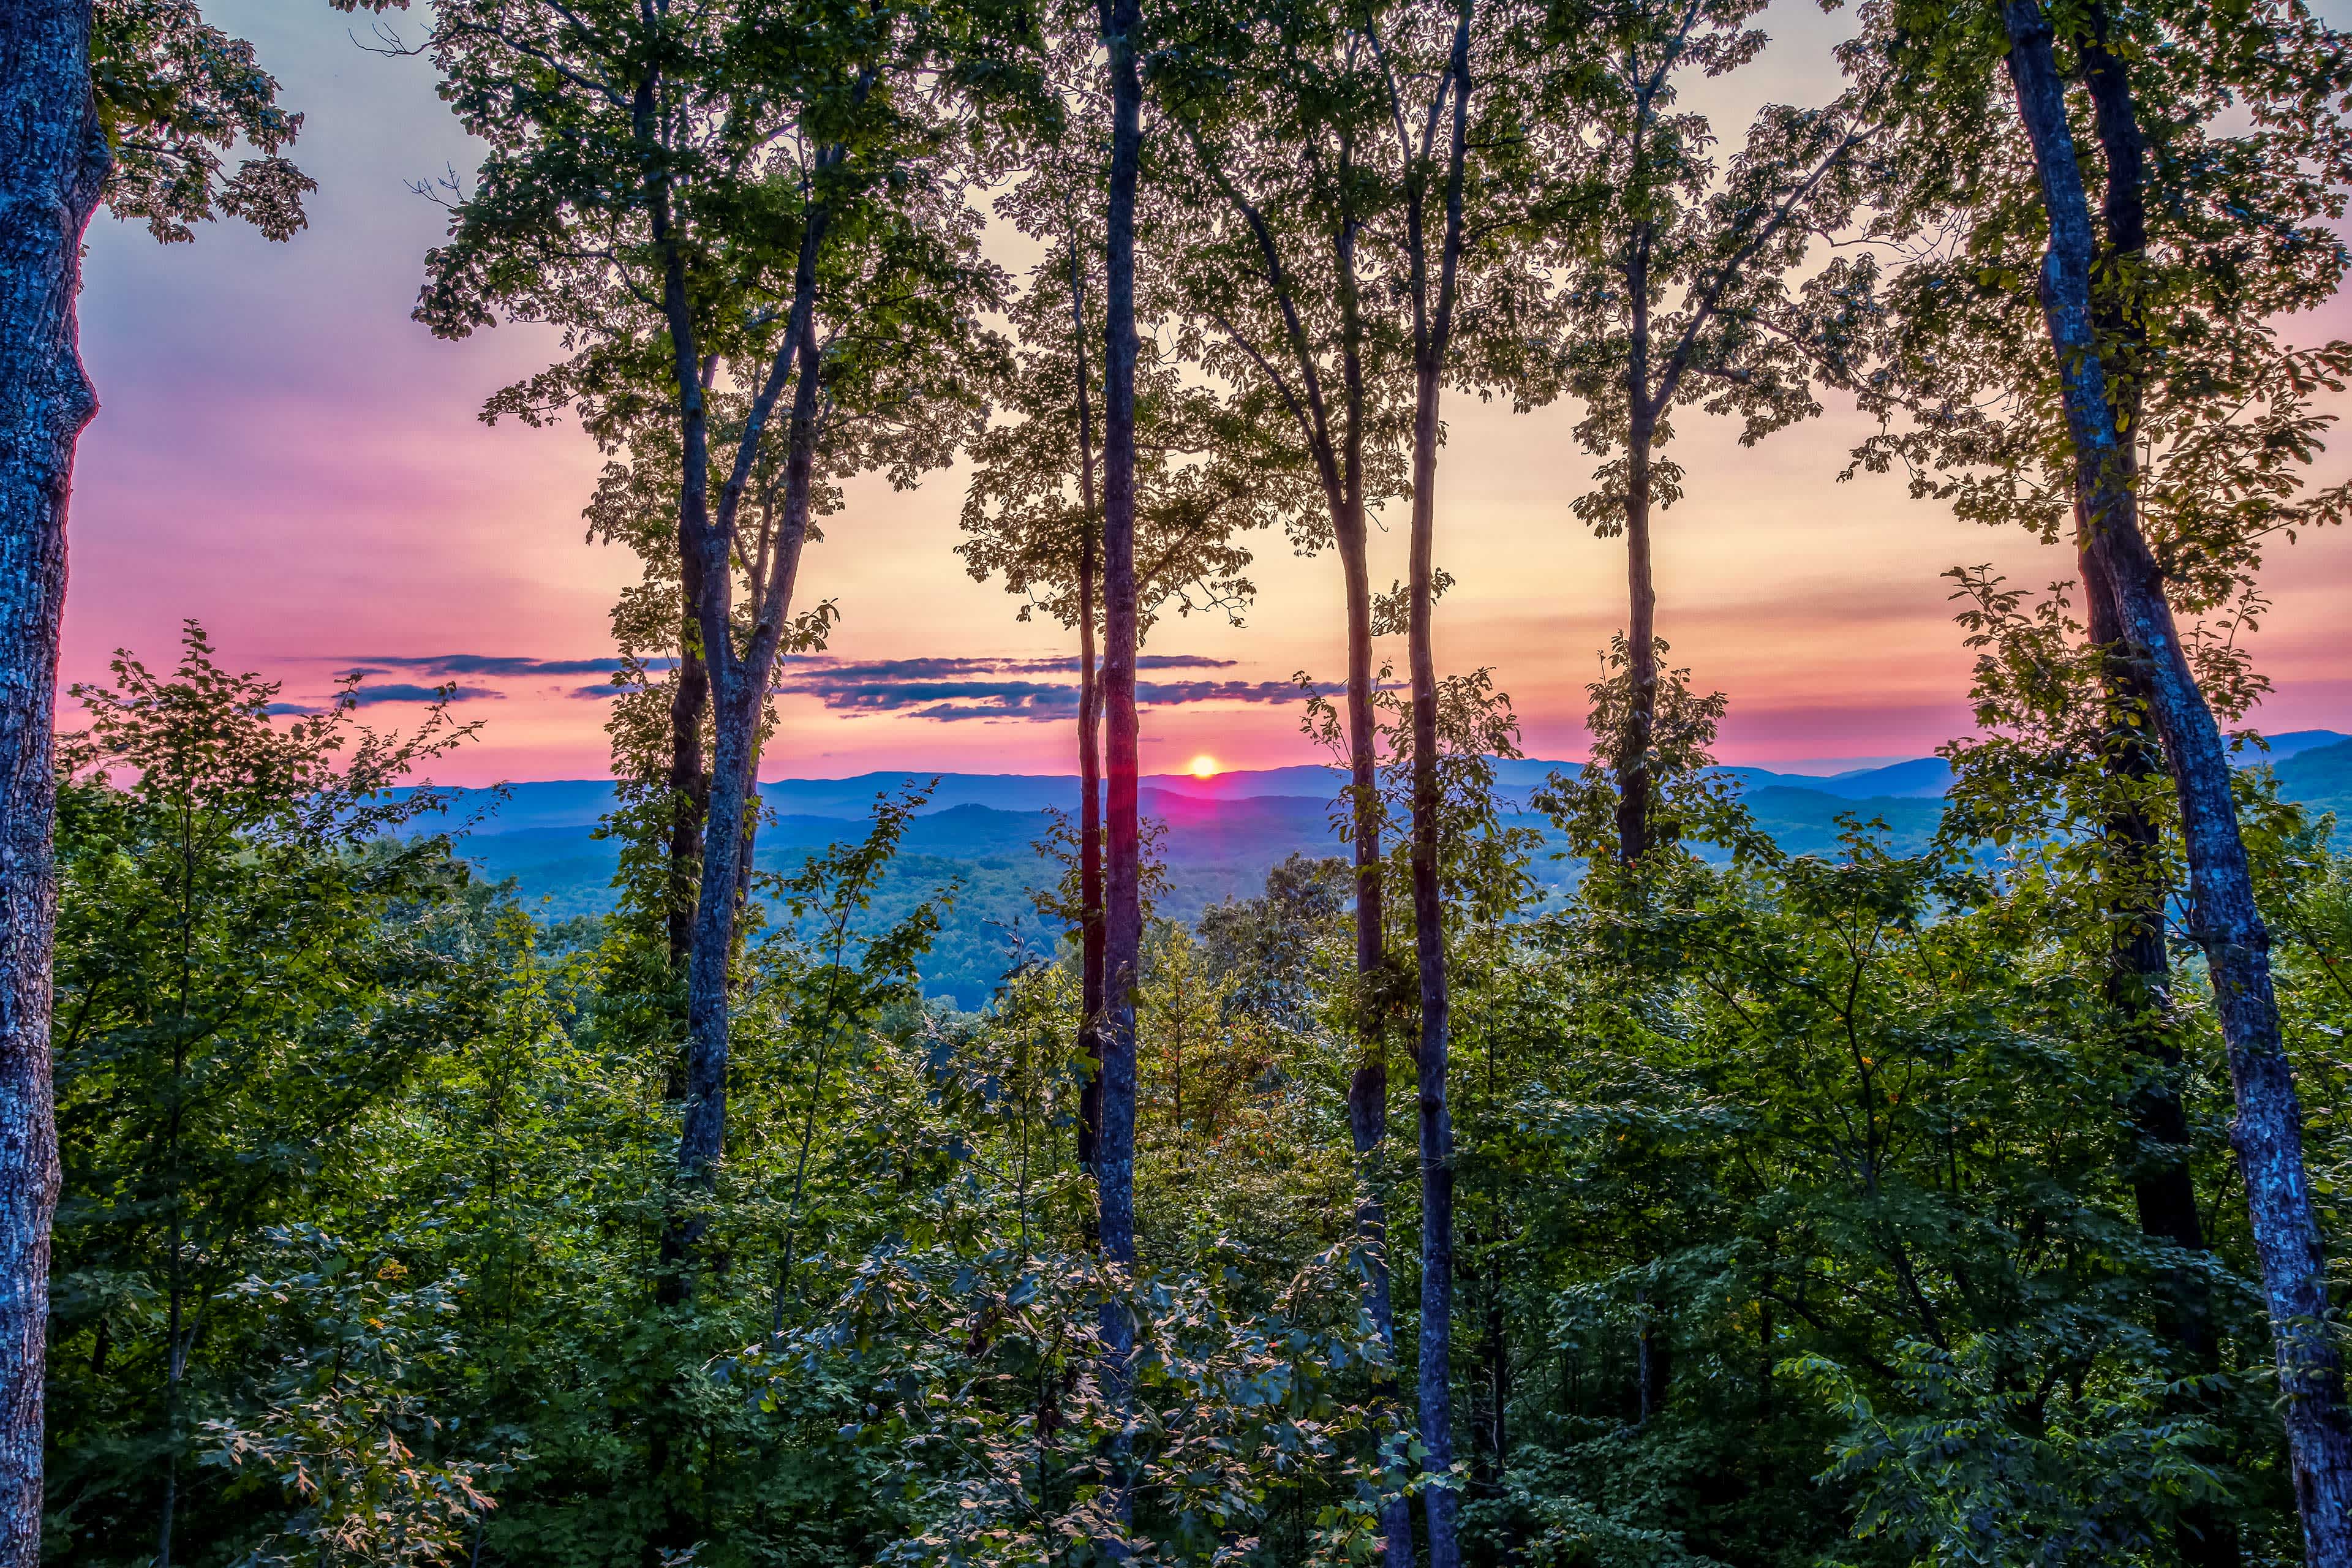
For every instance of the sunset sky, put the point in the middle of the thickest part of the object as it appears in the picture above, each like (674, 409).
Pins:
(283, 454)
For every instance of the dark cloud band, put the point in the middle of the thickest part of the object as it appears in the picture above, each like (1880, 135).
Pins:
(495, 666)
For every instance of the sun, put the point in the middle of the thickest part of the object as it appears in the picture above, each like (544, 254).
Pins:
(1205, 766)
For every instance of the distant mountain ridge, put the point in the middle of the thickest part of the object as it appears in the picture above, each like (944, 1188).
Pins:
(580, 803)
(978, 833)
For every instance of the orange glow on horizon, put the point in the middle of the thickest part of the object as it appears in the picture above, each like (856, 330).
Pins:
(1205, 766)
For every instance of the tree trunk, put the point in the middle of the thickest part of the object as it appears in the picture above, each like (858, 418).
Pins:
(2140, 970)
(1368, 1086)
(1123, 885)
(740, 682)
(1432, 333)
(1429, 943)
(1653, 1362)
(53, 164)
(1636, 780)
(1123, 879)
(2268, 1134)
(689, 786)
(1090, 820)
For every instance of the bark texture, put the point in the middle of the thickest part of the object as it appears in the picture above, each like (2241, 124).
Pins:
(1123, 875)
(53, 164)
(2268, 1134)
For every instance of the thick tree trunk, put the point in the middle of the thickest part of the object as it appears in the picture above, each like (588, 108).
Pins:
(1123, 884)
(2268, 1134)
(53, 164)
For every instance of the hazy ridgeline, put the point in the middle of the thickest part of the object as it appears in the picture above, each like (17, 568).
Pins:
(1435, 1156)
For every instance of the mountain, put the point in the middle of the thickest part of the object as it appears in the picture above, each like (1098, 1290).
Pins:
(2294, 742)
(580, 803)
(2319, 777)
(977, 833)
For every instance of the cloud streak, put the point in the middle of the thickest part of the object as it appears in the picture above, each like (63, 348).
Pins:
(399, 691)
(495, 665)
(912, 687)
(953, 689)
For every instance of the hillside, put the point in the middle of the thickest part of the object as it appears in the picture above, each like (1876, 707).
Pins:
(2320, 777)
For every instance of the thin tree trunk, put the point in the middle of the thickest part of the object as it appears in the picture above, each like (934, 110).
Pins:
(1635, 783)
(1123, 888)
(53, 163)
(1653, 1362)
(689, 778)
(689, 785)
(1436, 1127)
(2138, 976)
(2268, 1134)
(1432, 333)
(1090, 821)
(1123, 879)
(1368, 1086)
(2140, 970)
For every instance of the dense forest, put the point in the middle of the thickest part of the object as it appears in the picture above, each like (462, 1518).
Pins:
(1588, 1176)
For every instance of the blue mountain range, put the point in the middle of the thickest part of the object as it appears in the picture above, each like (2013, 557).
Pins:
(977, 833)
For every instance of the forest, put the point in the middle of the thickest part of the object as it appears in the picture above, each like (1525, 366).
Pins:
(1570, 1176)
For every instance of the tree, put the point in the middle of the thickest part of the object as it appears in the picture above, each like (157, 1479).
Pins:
(771, 192)
(1032, 511)
(1123, 864)
(2207, 237)
(235, 998)
(1279, 121)
(1676, 288)
(1436, 175)
(2106, 328)
(129, 104)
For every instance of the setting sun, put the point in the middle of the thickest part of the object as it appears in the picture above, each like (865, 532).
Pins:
(1205, 766)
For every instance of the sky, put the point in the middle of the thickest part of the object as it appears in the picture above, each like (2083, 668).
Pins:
(282, 454)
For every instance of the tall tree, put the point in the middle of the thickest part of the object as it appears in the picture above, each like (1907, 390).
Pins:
(131, 104)
(1676, 288)
(1123, 40)
(765, 197)
(1433, 151)
(1032, 512)
(1278, 121)
(2142, 339)
(2206, 236)
(2229, 924)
